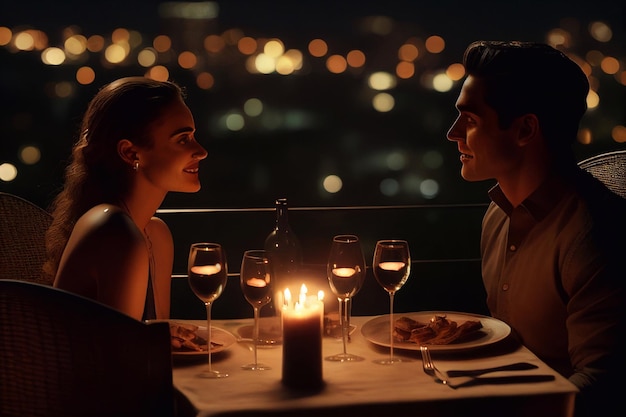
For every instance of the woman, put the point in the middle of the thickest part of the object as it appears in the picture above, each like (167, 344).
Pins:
(136, 144)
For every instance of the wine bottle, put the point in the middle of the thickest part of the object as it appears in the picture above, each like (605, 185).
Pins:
(284, 252)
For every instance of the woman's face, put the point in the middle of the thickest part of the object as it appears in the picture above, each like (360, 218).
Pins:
(171, 162)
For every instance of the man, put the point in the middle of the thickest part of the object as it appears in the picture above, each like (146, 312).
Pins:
(553, 237)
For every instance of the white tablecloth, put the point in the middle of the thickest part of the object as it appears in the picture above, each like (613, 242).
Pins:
(365, 388)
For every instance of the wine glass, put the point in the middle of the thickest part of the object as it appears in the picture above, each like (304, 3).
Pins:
(345, 271)
(392, 266)
(207, 274)
(256, 286)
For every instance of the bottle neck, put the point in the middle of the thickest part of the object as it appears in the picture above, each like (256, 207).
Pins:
(282, 243)
(282, 217)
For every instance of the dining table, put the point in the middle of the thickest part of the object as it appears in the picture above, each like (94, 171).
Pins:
(366, 388)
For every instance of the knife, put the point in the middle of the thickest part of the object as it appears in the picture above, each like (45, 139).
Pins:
(498, 380)
(519, 366)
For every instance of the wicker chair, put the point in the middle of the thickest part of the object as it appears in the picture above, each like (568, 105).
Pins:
(65, 355)
(610, 168)
(23, 227)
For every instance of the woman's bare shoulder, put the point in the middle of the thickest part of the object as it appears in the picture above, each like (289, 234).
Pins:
(158, 229)
(107, 221)
(162, 244)
(157, 224)
(103, 251)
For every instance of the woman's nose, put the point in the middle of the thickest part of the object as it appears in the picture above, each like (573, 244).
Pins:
(200, 153)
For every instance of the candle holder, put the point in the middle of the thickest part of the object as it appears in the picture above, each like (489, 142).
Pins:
(302, 323)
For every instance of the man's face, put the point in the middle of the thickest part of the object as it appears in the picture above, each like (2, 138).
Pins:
(487, 152)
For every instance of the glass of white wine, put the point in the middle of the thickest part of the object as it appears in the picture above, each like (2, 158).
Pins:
(207, 274)
(392, 267)
(345, 271)
(255, 279)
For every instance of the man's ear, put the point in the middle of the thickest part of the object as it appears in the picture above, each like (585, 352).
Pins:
(127, 151)
(527, 128)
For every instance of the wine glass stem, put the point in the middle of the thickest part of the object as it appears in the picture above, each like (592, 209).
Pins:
(255, 336)
(208, 321)
(391, 323)
(344, 320)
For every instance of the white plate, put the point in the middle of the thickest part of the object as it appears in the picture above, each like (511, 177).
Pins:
(224, 338)
(376, 330)
(270, 333)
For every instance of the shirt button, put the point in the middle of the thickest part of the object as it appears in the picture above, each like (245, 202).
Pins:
(512, 248)
(505, 287)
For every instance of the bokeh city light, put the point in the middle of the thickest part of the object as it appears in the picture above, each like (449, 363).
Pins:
(313, 114)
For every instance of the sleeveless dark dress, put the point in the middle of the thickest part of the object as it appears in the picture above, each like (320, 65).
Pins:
(149, 309)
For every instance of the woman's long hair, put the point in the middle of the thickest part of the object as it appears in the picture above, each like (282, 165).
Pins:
(123, 109)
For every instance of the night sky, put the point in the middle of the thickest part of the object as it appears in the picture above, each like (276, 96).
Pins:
(251, 168)
(295, 22)
(467, 19)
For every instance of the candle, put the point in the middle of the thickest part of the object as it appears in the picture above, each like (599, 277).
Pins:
(302, 322)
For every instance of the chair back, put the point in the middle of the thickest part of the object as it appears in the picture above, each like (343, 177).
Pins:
(610, 168)
(68, 356)
(23, 228)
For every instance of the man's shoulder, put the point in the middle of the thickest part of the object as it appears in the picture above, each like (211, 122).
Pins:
(606, 211)
(601, 200)
(494, 216)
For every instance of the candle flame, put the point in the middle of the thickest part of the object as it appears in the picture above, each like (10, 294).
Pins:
(303, 301)
(302, 297)
(287, 297)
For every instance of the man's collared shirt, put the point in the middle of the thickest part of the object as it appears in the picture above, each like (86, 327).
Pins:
(546, 275)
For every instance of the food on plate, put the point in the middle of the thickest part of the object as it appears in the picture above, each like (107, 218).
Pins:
(332, 325)
(184, 338)
(438, 331)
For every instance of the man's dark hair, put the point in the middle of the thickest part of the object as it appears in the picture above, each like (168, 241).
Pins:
(526, 77)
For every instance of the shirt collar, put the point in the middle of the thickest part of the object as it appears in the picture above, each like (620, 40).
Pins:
(540, 202)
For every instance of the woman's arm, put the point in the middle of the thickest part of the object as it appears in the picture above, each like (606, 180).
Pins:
(160, 238)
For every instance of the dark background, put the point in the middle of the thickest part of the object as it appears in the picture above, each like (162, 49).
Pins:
(345, 136)
(342, 135)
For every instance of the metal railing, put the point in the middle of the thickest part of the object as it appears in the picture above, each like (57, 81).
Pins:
(444, 241)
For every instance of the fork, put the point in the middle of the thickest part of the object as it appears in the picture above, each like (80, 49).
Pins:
(431, 369)
(442, 378)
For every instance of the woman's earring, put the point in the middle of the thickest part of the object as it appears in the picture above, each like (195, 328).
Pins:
(136, 165)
